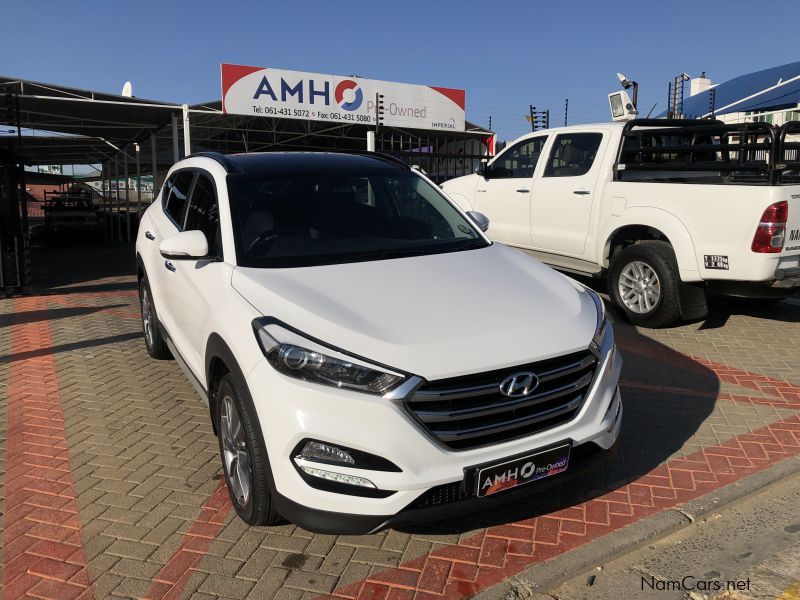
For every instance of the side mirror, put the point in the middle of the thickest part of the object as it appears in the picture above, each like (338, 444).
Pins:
(480, 219)
(186, 245)
(484, 170)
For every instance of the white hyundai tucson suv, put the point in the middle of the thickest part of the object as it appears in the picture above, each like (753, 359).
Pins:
(369, 357)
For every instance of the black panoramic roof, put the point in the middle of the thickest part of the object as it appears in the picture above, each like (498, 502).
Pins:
(271, 162)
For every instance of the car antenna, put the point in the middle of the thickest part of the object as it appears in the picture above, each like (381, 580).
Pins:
(651, 110)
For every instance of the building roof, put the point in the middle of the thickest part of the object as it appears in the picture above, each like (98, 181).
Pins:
(770, 89)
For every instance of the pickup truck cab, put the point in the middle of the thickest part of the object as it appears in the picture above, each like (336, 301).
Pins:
(664, 209)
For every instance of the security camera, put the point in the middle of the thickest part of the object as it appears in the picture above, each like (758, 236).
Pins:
(624, 81)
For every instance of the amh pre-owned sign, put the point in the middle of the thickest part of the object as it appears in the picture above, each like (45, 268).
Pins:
(257, 91)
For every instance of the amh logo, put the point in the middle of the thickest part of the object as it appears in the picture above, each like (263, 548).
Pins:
(341, 88)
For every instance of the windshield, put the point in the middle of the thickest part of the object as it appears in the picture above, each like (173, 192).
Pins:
(326, 216)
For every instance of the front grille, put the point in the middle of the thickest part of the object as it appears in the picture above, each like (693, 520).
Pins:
(468, 412)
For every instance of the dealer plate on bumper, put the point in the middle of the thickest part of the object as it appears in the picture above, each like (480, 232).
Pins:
(494, 478)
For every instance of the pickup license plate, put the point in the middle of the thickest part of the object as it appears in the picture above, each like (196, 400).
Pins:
(513, 473)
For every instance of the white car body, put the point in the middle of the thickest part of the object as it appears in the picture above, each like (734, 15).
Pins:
(571, 222)
(429, 317)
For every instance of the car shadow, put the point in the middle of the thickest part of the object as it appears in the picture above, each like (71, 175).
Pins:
(722, 308)
(70, 346)
(95, 267)
(656, 426)
(34, 316)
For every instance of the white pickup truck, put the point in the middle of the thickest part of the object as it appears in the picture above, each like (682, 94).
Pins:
(664, 209)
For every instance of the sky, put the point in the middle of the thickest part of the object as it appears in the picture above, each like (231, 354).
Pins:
(507, 55)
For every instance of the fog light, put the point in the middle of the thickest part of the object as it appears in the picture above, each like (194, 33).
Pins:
(337, 477)
(317, 451)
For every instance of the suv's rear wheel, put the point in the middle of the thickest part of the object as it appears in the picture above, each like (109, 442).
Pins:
(643, 282)
(244, 457)
(154, 341)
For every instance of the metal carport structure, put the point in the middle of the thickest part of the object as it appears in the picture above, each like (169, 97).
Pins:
(131, 136)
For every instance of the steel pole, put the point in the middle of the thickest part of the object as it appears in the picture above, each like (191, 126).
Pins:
(187, 134)
(22, 278)
(176, 155)
(138, 183)
(127, 201)
(118, 227)
(155, 165)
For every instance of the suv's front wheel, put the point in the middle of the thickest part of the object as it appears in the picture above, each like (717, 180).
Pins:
(643, 282)
(244, 456)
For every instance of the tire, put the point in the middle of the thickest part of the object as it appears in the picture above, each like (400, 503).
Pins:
(243, 454)
(646, 273)
(153, 340)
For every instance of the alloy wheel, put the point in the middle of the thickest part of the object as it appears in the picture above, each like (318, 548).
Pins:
(148, 322)
(234, 447)
(639, 287)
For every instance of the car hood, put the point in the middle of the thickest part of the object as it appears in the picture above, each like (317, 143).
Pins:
(435, 316)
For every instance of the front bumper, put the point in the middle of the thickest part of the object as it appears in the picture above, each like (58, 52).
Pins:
(290, 411)
(584, 458)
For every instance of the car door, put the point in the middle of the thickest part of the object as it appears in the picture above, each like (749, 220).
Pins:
(197, 281)
(505, 196)
(561, 207)
(164, 221)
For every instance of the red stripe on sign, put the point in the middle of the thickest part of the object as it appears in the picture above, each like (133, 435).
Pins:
(231, 74)
(41, 538)
(457, 96)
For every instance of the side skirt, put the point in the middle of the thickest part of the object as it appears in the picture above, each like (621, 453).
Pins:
(184, 367)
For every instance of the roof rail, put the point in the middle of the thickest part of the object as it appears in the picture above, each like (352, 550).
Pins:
(371, 153)
(222, 159)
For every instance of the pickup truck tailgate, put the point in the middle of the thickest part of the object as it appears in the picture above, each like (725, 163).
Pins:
(791, 244)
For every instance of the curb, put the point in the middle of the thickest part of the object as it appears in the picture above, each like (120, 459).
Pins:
(541, 577)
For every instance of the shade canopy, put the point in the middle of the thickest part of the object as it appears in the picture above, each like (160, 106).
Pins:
(63, 109)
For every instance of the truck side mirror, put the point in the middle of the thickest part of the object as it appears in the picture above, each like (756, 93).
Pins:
(484, 170)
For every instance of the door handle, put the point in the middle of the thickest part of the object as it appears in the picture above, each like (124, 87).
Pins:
(523, 190)
(170, 267)
(582, 192)
(149, 235)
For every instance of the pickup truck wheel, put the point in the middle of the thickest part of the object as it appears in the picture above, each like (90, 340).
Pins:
(244, 457)
(153, 340)
(643, 283)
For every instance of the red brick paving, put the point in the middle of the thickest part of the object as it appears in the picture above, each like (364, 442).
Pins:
(41, 540)
(173, 577)
(488, 558)
(42, 552)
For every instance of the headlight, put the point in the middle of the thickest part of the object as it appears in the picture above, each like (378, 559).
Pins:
(296, 356)
(602, 320)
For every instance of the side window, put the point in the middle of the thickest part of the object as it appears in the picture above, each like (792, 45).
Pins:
(203, 211)
(519, 161)
(573, 154)
(176, 192)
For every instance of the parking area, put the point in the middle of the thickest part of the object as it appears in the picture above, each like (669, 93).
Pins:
(112, 484)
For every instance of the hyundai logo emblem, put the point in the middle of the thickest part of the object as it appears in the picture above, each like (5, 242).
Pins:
(519, 384)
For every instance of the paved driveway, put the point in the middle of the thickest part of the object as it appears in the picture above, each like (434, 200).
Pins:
(111, 482)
